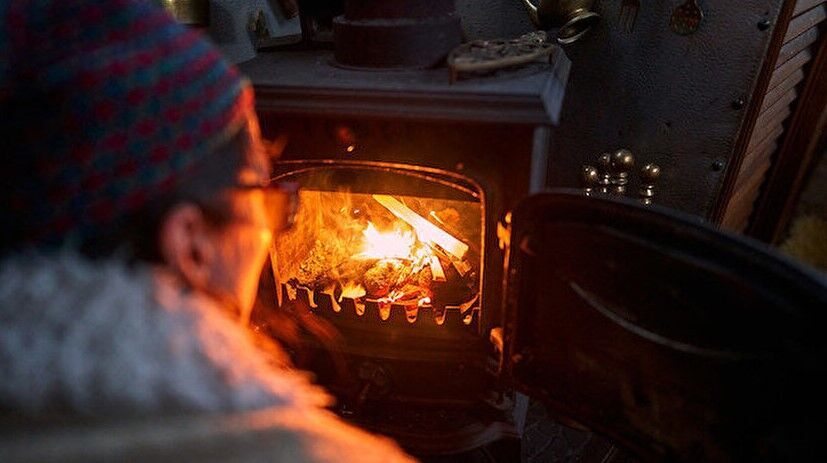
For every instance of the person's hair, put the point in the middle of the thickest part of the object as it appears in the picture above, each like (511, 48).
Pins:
(137, 236)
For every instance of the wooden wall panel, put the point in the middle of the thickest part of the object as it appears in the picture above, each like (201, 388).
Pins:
(803, 143)
(777, 103)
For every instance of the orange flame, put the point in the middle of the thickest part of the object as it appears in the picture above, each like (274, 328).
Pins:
(394, 244)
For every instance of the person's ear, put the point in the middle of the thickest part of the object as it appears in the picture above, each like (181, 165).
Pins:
(185, 245)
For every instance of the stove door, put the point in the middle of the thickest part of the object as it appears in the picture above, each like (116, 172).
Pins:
(673, 338)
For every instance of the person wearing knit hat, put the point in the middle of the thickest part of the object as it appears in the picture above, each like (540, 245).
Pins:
(137, 216)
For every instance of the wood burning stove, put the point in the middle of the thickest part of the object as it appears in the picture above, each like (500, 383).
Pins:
(447, 308)
(407, 181)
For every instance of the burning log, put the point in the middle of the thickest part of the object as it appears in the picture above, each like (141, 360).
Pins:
(314, 270)
(387, 254)
(383, 277)
(436, 269)
(425, 230)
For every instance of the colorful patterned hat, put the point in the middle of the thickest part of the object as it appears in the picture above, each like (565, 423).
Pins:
(106, 105)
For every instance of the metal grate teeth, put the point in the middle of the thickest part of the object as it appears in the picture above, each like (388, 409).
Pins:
(324, 304)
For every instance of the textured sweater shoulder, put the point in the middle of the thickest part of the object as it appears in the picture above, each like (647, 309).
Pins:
(107, 339)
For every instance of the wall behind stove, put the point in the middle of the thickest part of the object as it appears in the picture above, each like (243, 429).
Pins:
(666, 97)
(230, 20)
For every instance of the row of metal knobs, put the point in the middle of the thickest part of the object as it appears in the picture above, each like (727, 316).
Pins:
(612, 176)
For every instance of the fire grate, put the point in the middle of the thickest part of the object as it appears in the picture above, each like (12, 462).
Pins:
(377, 313)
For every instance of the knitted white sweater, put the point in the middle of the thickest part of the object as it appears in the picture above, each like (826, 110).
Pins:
(106, 339)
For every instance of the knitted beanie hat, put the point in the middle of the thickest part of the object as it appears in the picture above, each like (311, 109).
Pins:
(106, 105)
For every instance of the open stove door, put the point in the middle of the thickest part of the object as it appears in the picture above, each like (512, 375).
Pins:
(678, 341)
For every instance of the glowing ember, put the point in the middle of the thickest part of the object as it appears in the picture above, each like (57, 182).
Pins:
(352, 291)
(426, 230)
(383, 249)
(387, 245)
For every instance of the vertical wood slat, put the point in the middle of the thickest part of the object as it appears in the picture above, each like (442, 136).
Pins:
(806, 21)
(744, 195)
(784, 71)
(779, 97)
(764, 154)
(806, 135)
(797, 44)
(761, 155)
(776, 93)
(804, 5)
(762, 143)
(724, 204)
(748, 192)
(762, 124)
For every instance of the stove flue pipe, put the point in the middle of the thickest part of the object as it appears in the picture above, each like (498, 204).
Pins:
(396, 34)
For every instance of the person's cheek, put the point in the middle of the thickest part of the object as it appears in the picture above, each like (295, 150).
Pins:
(254, 253)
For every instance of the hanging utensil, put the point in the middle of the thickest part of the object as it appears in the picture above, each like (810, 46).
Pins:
(574, 18)
(686, 18)
(628, 14)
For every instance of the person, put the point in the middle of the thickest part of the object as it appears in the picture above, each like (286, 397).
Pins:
(137, 216)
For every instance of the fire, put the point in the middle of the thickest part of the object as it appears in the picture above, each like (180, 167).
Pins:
(352, 291)
(387, 245)
(388, 249)
(394, 250)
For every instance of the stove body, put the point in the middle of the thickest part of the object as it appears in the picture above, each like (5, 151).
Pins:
(460, 156)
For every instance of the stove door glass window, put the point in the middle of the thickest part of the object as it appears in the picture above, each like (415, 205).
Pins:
(389, 238)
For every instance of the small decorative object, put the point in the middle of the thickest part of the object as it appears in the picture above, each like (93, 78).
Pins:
(490, 55)
(648, 176)
(612, 176)
(258, 26)
(628, 14)
(604, 163)
(686, 18)
(621, 164)
(574, 18)
(262, 39)
(590, 179)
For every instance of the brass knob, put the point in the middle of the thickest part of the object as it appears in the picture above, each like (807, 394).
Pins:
(590, 178)
(648, 177)
(621, 163)
(604, 165)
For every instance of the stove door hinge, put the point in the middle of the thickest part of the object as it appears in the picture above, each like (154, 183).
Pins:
(504, 232)
(496, 338)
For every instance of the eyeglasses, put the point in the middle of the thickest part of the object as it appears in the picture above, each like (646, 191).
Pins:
(281, 203)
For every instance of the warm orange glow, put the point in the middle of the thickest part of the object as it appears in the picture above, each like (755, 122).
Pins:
(389, 249)
(352, 291)
(387, 245)
(396, 248)
(425, 230)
